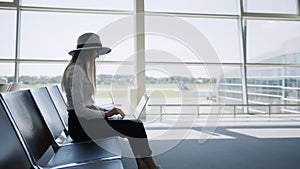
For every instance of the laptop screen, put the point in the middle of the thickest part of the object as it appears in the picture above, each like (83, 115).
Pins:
(142, 104)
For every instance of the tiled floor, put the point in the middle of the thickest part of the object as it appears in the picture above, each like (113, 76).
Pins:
(224, 142)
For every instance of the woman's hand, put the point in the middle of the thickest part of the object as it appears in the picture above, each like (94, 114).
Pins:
(114, 111)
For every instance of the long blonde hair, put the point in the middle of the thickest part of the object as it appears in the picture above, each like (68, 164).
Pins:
(85, 60)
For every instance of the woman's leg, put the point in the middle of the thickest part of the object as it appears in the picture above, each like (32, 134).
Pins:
(141, 164)
(150, 162)
(135, 132)
(137, 137)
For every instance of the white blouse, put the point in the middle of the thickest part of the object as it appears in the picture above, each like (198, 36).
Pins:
(79, 93)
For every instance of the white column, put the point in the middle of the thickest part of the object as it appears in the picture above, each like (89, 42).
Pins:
(139, 56)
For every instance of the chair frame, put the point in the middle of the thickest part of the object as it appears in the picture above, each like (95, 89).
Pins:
(48, 132)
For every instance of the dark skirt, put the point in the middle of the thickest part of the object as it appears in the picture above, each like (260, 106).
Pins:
(87, 130)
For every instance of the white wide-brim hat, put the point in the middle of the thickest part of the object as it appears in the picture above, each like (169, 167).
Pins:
(89, 41)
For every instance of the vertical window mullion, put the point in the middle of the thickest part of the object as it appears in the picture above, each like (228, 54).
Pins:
(298, 7)
(243, 36)
(17, 50)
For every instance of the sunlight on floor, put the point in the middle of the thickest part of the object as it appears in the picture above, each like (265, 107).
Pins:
(269, 132)
(258, 126)
(178, 134)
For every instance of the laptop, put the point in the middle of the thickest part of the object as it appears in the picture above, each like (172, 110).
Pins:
(136, 114)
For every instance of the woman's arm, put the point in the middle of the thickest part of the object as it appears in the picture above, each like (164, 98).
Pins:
(114, 111)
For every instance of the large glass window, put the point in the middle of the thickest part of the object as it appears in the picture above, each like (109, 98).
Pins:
(197, 82)
(42, 69)
(195, 54)
(265, 86)
(230, 86)
(7, 71)
(190, 38)
(271, 6)
(82, 4)
(40, 74)
(230, 89)
(6, 0)
(273, 42)
(55, 34)
(220, 32)
(180, 83)
(193, 6)
(7, 34)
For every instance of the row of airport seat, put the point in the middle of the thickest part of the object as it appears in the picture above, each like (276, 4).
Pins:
(34, 133)
(8, 87)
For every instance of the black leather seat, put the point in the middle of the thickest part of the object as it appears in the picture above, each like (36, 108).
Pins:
(50, 115)
(15, 155)
(49, 111)
(59, 102)
(40, 142)
(12, 154)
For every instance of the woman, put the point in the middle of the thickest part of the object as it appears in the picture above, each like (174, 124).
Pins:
(89, 122)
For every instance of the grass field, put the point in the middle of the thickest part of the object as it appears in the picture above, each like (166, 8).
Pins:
(121, 91)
